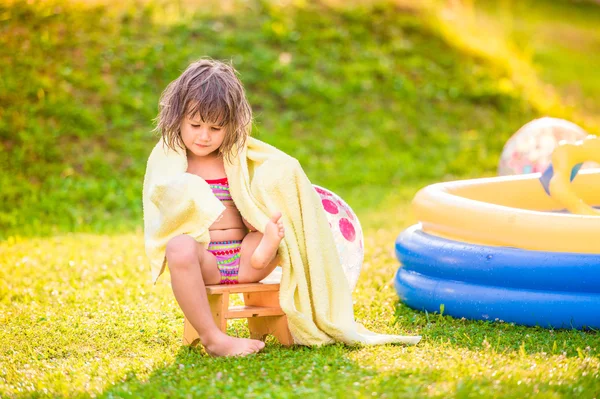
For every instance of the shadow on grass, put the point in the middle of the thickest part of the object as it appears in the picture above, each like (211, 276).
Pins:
(275, 372)
(326, 372)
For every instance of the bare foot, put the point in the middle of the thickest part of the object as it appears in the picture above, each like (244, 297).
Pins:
(224, 345)
(267, 248)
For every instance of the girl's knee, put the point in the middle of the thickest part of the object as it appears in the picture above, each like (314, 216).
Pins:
(181, 251)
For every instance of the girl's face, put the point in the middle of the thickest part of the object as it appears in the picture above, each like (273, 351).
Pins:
(201, 138)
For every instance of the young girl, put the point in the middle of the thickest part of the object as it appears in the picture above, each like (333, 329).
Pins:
(205, 112)
(204, 161)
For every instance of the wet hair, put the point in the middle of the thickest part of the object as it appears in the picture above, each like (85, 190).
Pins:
(212, 90)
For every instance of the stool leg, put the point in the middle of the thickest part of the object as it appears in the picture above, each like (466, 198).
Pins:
(281, 331)
(260, 327)
(190, 335)
(219, 305)
(277, 326)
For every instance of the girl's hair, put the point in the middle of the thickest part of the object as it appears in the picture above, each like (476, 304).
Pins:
(212, 90)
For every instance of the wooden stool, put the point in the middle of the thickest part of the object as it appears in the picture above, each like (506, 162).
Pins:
(262, 311)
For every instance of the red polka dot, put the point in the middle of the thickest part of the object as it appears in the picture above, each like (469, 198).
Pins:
(347, 229)
(330, 206)
(322, 192)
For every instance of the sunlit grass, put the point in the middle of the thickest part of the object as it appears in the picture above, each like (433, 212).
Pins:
(80, 317)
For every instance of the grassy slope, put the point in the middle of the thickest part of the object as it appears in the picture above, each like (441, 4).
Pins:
(561, 41)
(75, 123)
(549, 48)
(78, 314)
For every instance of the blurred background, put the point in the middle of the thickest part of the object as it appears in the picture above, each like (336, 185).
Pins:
(375, 98)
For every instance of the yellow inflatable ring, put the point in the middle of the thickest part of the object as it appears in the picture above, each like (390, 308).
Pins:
(512, 211)
(564, 159)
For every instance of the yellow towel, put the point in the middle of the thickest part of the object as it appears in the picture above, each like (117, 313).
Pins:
(314, 294)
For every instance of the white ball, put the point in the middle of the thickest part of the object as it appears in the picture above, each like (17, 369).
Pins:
(347, 233)
(530, 149)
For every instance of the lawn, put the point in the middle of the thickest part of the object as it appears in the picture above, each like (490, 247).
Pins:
(375, 101)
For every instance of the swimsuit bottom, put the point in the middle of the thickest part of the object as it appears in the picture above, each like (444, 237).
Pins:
(228, 259)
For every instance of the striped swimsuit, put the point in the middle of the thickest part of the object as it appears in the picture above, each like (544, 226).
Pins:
(226, 252)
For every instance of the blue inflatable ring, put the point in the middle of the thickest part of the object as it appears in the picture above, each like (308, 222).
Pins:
(549, 289)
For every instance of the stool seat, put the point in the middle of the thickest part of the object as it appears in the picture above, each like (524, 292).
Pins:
(239, 288)
(261, 309)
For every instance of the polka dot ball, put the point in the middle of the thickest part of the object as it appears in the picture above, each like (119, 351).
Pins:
(347, 233)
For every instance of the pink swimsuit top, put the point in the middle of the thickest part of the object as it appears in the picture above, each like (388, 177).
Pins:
(220, 188)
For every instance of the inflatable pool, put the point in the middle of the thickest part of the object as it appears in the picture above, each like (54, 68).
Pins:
(503, 249)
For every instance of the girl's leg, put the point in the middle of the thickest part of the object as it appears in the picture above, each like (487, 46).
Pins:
(188, 263)
(258, 256)
(247, 273)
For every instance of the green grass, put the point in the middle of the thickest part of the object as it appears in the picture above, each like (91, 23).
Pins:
(80, 318)
(377, 101)
(562, 42)
(551, 49)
